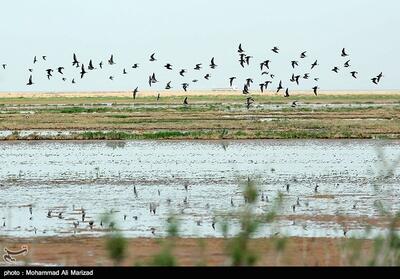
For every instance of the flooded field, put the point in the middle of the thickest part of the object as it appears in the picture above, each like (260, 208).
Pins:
(46, 186)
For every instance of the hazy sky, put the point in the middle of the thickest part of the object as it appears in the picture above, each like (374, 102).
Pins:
(184, 33)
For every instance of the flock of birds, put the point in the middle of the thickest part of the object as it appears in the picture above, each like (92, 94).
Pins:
(244, 61)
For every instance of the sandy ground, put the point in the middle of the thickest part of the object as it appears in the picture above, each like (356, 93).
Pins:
(178, 93)
(188, 251)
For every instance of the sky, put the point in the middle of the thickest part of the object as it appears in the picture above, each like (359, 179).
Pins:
(185, 33)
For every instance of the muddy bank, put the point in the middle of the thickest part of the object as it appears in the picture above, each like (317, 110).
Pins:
(188, 251)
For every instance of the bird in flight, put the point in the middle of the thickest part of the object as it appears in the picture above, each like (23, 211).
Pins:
(101, 64)
(152, 58)
(213, 65)
(379, 76)
(335, 69)
(182, 72)
(294, 63)
(262, 87)
(75, 61)
(34, 60)
(245, 89)
(168, 66)
(286, 93)
(83, 72)
(344, 54)
(275, 49)
(4, 66)
(249, 101)
(111, 60)
(240, 50)
(303, 54)
(306, 76)
(347, 64)
(60, 70)
(207, 76)
(124, 71)
(185, 102)
(135, 91)
(49, 71)
(44, 57)
(111, 78)
(168, 86)
(375, 80)
(185, 86)
(136, 65)
(248, 59)
(30, 80)
(315, 90)
(231, 81)
(90, 66)
(198, 67)
(266, 84)
(314, 64)
(279, 86)
(354, 73)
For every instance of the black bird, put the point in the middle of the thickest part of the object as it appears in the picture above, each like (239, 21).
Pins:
(49, 71)
(335, 69)
(153, 78)
(262, 87)
(315, 90)
(245, 89)
(101, 65)
(73, 80)
(354, 73)
(168, 66)
(30, 209)
(292, 79)
(316, 79)
(4, 66)
(306, 76)
(60, 215)
(83, 72)
(60, 69)
(303, 54)
(135, 91)
(198, 67)
(182, 72)
(136, 65)
(111, 77)
(231, 81)
(30, 80)
(90, 66)
(264, 63)
(379, 76)
(207, 76)
(158, 96)
(286, 93)
(75, 61)
(265, 73)
(344, 53)
(375, 80)
(213, 65)
(30, 70)
(294, 104)
(49, 214)
(124, 72)
(64, 79)
(266, 84)
(297, 79)
(44, 57)
(240, 50)
(242, 62)
(294, 63)
(275, 49)
(34, 60)
(91, 224)
(185, 102)
(249, 101)
(111, 60)
(316, 188)
(168, 86)
(248, 81)
(347, 64)
(279, 87)
(135, 192)
(272, 75)
(248, 59)
(185, 86)
(314, 64)
(152, 57)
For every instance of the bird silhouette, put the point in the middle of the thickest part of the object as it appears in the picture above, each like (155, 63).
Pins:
(294, 63)
(90, 66)
(111, 60)
(247, 58)
(379, 76)
(185, 101)
(335, 69)
(182, 72)
(212, 64)
(245, 89)
(134, 66)
(168, 66)
(266, 84)
(83, 72)
(354, 73)
(315, 90)
(60, 70)
(30, 80)
(314, 64)
(44, 57)
(34, 60)
(275, 49)
(286, 93)
(4, 66)
(303, 54)
(231, 81)
(185, 86)
(249, 81)
(207, 76)
(198, 67)
(347, 64)
(240, 50)
(168, 86)
(249, 102)
(262, 87)
(152, 58)
(135, 91)
(306, 75)
(375, 80)
(101, 64)
(124, 72)
(279, 87)
(344, 54)
(75, 61)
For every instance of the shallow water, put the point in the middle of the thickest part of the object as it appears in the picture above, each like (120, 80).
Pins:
(100, 176)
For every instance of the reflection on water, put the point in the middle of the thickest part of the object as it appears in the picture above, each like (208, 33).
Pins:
(126, 177)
